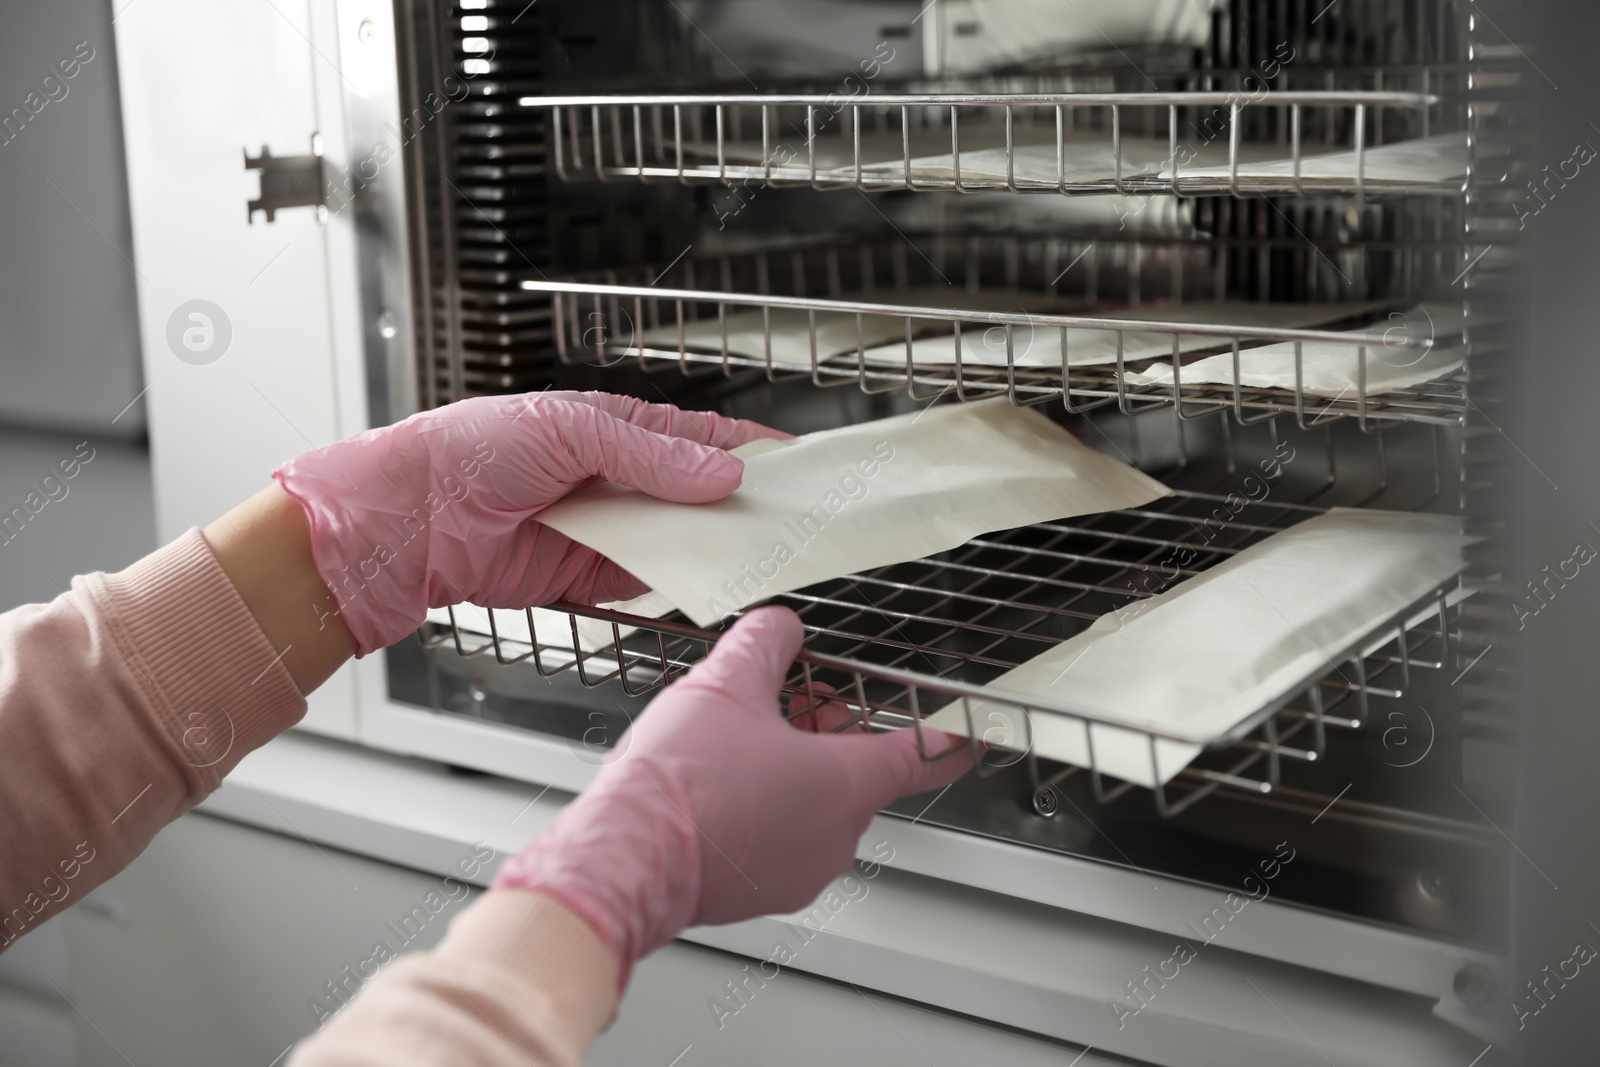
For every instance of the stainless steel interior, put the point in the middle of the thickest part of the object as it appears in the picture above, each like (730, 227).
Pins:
(593, 189)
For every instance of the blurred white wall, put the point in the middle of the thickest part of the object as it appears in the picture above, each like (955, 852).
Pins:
(69, 334)
(69, 368)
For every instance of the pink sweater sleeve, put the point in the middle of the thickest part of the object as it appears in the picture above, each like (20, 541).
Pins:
(519, 981)
(124, 702)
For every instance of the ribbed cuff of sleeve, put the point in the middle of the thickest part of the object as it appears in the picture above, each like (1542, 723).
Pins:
(548, 946)
(219, 686)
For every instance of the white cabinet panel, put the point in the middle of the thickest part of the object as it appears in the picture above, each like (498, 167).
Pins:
(794, 1020)
(229, 937)
(201, 84)
(227, 941)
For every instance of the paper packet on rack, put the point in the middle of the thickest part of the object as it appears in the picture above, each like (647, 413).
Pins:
(835, 155)
(1202, 658)
(840, 334)
(1086, 157)
(1040, 346)
(883, 337)
(1420, 161)
(833, 503)
(1083, 157)
(1334, 370)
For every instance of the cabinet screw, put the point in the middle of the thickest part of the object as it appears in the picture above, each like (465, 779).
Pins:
(1044, 802)
(1475, 985)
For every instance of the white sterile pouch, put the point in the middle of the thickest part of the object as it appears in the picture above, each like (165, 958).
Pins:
(748, 333)
(1420, 161)
(832, 503)
(1083, 157)
(785, 333)
(1333, 370)
(1201, 658)
(834, 150)
(1040, 346)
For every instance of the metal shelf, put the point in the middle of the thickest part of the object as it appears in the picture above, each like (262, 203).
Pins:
(900, 642)
(883, 141)
(946, 287)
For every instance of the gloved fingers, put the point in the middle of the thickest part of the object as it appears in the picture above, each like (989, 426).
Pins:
(827, 716)
(706, 427)
(534, 566)
(896, 768)
(749, 662)
(592, 442)
(602, 582)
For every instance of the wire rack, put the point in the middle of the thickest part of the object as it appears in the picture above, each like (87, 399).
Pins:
(901, 642)
(1021, 142)
(938, 315)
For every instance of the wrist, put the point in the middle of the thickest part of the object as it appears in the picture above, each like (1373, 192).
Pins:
(579, 905)
(623, 855)
(264, 547)
(548, 946)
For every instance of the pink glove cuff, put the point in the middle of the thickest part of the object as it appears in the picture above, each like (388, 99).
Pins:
(372, 555)
(323, 519)
(624, 856)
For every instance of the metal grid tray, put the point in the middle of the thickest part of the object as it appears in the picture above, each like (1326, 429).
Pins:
(688, 139)
(603, 319)
(900, 642)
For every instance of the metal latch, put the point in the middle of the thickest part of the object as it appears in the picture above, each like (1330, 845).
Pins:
(287, 181)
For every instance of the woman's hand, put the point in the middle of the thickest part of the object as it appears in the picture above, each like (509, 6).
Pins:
(718, 809)
(439, 509)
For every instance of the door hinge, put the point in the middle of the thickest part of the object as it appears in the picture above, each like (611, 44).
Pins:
(288, 181)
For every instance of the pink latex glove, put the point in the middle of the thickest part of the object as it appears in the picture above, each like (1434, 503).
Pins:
(718, 809)
(438, 509)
